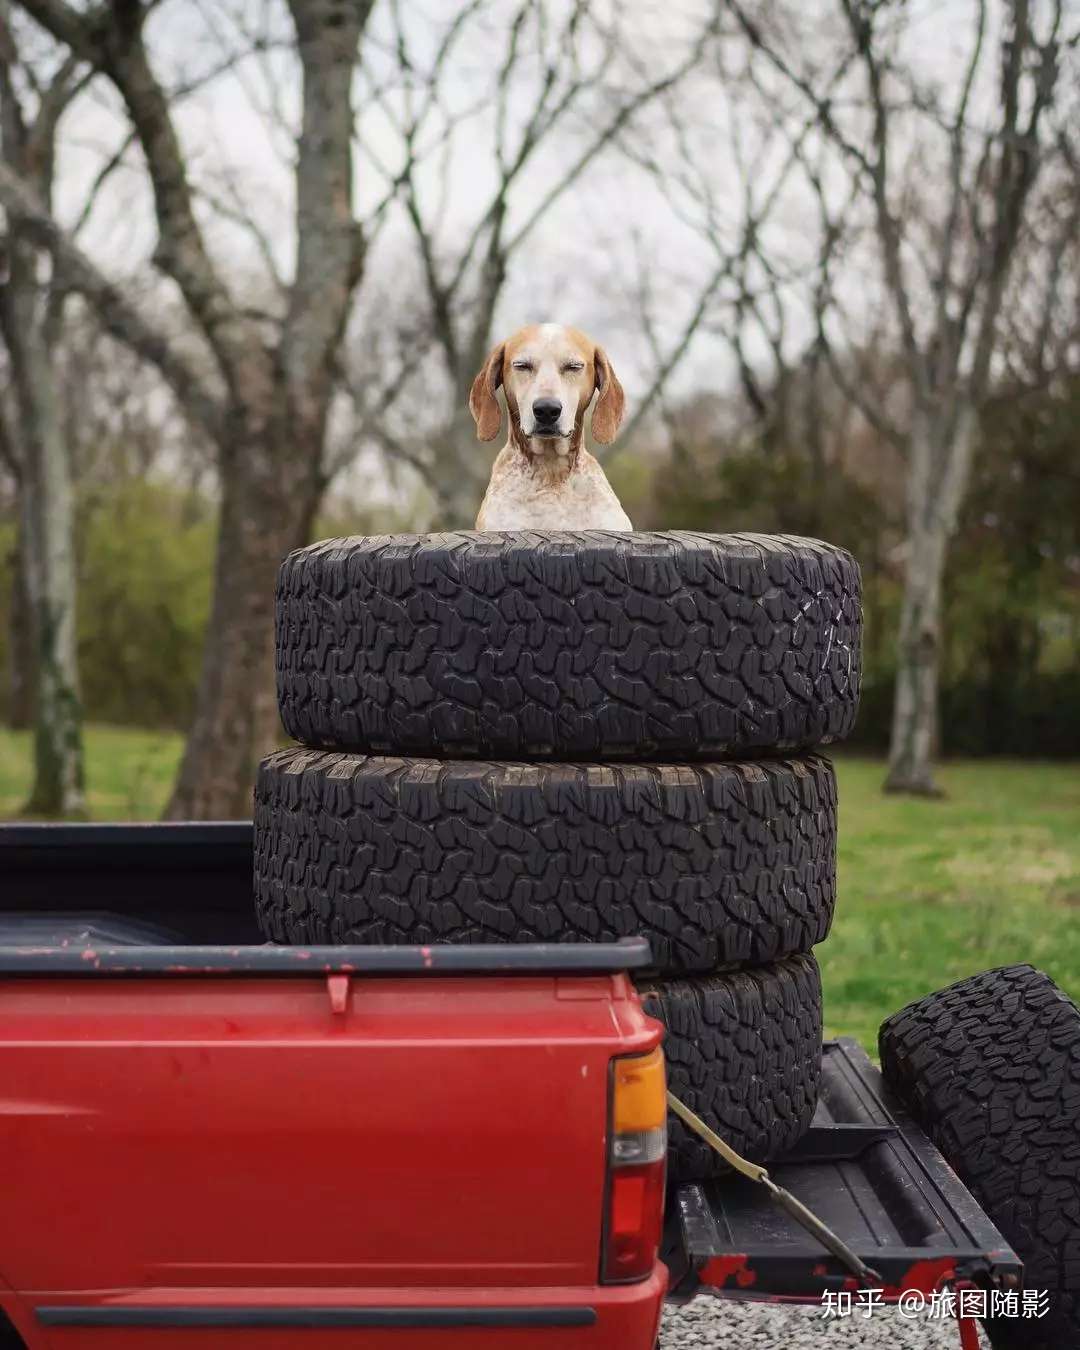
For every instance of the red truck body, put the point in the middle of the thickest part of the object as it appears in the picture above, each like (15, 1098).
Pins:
(208, 1141)
(421, 1160)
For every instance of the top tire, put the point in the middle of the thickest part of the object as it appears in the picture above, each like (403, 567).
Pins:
(584, 645)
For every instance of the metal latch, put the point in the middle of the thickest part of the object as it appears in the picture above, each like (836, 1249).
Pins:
(337, 986)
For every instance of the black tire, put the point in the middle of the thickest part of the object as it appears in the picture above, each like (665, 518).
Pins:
(568, 645)
(990, 1067)
(743, 1050)
(714, 863)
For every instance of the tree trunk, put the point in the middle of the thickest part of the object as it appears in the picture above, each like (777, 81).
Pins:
(938, 468)
(267, 416)
(461, 492)
(462, 466)
(20, 705)
(269, 495)
(914, 726)
(49, 501)
(47, 513)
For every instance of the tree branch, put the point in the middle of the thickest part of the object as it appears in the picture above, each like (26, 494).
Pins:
(112, 41)
(329, 256)
(116, 312)
(668, 365)
(78, 29)
(9, 455)
(609, 132)
(1018, 165)
(889, 233)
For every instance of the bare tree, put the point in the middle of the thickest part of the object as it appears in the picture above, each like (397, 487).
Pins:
(1042, 312)
(745, 295)
(20, 642)
(946, 243)
(559, 87)
(45, 598)
(265, 399)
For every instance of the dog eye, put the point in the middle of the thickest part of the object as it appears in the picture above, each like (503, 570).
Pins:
(523, 365)
(574, 366)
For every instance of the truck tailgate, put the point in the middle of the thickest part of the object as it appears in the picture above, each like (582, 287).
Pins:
(334, 1142)
(872, 1175)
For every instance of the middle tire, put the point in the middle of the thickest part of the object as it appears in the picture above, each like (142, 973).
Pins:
(713, 863)
(743, 1051)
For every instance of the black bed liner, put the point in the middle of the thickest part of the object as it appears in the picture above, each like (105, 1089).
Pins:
(191, 879)
(871, 1174)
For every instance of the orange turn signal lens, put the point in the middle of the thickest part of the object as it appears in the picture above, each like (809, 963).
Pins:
(640, 1098)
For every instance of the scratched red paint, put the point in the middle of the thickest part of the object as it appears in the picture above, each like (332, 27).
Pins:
(722, 1269)
(926, 1276)
(216, 1235)
(969, 1333)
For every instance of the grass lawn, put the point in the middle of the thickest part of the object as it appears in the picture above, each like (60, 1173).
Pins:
(128, 773)
(930, 891)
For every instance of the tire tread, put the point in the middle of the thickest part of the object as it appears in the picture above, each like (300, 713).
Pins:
(571, 646)
(743, 1051)
(990, 1067)
(715, 863)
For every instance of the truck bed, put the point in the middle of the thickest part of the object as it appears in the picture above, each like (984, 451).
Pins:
(872, 1175)
(455, 1132)
(180, 883)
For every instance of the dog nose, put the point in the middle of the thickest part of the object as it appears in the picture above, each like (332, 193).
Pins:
(546, 411)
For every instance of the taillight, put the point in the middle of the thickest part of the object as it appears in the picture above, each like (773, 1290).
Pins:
(637, 1159)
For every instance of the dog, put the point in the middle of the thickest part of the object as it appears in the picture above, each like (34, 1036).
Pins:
(543, 477)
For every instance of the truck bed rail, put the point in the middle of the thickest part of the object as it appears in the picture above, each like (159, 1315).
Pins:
(87, 961)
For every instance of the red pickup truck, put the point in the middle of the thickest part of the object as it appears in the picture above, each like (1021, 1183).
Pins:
(208, 1141)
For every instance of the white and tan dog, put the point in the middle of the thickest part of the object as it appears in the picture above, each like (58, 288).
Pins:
(543, 477)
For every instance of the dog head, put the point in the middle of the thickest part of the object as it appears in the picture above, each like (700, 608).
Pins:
(549, 375)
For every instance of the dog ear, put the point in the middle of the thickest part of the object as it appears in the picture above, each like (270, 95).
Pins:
(608, 413)
(483, 404)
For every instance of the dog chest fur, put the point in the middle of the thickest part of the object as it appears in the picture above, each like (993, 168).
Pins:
(527, 494)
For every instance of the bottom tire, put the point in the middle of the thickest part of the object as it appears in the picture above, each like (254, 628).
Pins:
(743, 1051)
(990, 1067)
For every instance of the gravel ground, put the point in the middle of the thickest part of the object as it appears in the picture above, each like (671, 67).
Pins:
(746, 1326)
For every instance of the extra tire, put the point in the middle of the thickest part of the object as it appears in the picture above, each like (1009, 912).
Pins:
(743, 1051)
(568, 645)
(714, 863)
(991, 1068)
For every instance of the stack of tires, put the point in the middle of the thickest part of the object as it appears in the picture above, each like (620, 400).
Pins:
(579, 737)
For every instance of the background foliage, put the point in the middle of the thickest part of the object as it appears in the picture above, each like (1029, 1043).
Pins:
(145, 553)
(1012, 633)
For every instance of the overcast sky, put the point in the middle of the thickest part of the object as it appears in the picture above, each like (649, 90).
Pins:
(580, 265)
(583, 265)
